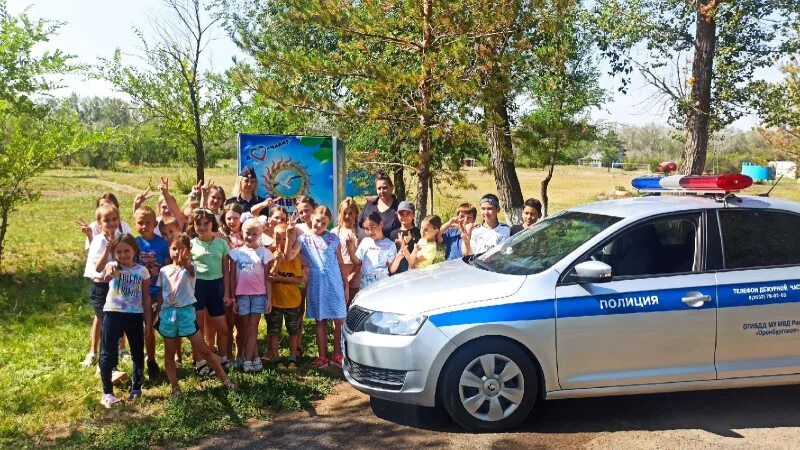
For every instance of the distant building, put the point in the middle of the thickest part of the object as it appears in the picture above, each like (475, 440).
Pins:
(786, 169)
(468, 162)
(595, 159)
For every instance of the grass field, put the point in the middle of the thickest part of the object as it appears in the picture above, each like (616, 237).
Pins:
(46, 399)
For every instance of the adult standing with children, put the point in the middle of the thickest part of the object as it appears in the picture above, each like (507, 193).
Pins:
(385, 204)
(245, 193)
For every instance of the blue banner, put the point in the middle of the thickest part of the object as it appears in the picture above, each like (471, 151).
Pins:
(291, 166)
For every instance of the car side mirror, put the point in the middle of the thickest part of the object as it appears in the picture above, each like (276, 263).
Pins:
(592, 272)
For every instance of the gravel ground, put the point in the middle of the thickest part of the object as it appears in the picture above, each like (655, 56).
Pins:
(765, 418)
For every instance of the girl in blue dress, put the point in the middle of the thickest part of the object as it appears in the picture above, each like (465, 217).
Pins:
(325, 296)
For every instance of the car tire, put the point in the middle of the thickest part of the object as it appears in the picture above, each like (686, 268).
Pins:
(489, 385)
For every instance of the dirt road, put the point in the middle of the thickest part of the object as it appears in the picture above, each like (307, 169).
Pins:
(765, 418)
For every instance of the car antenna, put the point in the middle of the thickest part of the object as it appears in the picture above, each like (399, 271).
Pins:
(766, 194)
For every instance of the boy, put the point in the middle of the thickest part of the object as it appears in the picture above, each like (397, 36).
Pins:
(450, 234)
(531, 213)
(488, 235)
(153, 255)
(286, 277)
(168, 228)
(408, 234)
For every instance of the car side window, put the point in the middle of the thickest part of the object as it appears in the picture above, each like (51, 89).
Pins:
(754, 238)
(660, 247)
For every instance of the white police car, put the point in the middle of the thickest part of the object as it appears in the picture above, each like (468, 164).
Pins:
(643, 295)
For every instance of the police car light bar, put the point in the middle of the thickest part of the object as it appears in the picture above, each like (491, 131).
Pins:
(727, 182)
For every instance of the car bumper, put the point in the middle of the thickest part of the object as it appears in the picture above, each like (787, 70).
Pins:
(403, 369)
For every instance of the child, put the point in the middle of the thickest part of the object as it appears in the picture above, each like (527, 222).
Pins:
(376, 254)
(304, 207)
(407, 235)
(325, 293)
(153, 255)
(177, 317)
(213, 197)
(126, 310)
(231, 225)
(450, 234)
(347, 230)
(488, 235)
(531, 214)
(168, 228)
(209, 252)
(107, 218)
(276, 216)
(248, 268)
(286, 276)
(425, 250)
(93, 229)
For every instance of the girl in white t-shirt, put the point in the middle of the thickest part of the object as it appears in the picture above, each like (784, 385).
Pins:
(376, 254)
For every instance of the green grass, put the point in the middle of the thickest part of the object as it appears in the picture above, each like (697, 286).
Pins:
(47, 400)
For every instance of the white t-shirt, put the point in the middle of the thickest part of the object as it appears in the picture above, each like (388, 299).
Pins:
(96, 249)
(485, 238)
(123, 227)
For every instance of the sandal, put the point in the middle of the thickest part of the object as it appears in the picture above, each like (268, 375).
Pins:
(319, 363)
(337, 360)
(201, 368)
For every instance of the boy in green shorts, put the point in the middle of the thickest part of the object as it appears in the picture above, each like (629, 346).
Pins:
(286, 277)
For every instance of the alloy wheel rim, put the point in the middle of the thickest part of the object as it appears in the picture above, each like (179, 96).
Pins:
(491, 387)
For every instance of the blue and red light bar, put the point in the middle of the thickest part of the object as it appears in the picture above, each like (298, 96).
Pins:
(727, 182)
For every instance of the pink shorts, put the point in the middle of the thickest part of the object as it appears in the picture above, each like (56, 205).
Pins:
(353, 275)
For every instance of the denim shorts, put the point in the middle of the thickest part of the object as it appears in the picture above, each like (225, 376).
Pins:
(177, 322)
(251, 304)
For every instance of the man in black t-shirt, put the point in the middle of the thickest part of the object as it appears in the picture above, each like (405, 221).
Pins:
(408, 234)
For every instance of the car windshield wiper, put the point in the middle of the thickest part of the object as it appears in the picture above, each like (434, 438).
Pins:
(481, 265)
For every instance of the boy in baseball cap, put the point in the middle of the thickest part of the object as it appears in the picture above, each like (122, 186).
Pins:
(408, 234)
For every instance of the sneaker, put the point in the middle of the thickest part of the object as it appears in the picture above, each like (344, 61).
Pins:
(226, 363)
(109, 400)
(124, 354)
(135, 393)
(247, 366)
(319, 363)
(152, 369)
(201, 368)
(257, 366)
(337, 360)
(89, 360)
(118, 377)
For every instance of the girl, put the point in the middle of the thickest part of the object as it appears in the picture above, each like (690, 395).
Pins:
(304, 207)
(127, 311)
(213, 197)
(248, 268)
(347, 230)
(276, 216)
(177, 317)
(231, 225)
(93, 229)
(425, 249)
(376, 254)
(325, 293)
(209, 252)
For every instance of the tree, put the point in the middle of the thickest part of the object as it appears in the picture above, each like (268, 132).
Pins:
(172, 89)
(31, 138)
(728, 42)
(564, 88)
(779, 108)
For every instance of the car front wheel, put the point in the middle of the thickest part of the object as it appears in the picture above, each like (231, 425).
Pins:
(490, 385)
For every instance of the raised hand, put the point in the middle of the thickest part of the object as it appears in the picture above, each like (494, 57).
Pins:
(112, 269)
(141, 198)
(85, 228)
(163, 186)
(197, 189)
(205, 188)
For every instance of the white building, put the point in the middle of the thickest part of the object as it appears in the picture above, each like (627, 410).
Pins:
(786, 169)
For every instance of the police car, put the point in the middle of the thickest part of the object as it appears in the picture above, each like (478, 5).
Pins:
(658, 293)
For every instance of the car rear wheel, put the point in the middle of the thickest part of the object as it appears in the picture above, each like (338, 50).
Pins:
(489, 385)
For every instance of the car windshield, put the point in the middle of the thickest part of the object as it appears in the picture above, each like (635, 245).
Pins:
(544, 244)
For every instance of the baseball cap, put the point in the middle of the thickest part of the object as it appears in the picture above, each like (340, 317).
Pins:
(405, 206)
(247, 172)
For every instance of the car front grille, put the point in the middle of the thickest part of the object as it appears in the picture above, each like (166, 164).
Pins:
(380, 378)
(356, 317)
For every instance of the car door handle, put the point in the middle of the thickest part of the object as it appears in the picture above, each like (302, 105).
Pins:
(696, 299)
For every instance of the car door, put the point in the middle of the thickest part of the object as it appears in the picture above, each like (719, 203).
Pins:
(759, 293)
(654, 322)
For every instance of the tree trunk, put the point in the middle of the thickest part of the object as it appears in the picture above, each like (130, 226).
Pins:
(3, 229)
(426, 114)
(199, 151)
(693, 159)
(546, 182)
(397, 172)
(498, 139)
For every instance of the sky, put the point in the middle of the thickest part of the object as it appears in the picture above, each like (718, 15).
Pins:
(96, 28)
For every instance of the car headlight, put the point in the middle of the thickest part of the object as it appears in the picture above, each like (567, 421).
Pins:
(395, 324)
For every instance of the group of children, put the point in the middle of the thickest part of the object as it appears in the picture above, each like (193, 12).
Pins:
(204, 270)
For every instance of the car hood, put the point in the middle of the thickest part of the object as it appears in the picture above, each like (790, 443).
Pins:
(447, 284)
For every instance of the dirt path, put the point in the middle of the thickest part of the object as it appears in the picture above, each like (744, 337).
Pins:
(113, 186)
(765, 418)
